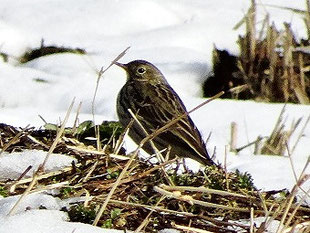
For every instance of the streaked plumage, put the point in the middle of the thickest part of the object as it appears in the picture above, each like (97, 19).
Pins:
(151, 98)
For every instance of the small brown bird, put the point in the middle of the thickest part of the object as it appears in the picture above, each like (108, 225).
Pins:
(154, 102)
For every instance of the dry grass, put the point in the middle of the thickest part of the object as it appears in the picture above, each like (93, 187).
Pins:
(278, 140)
(137, 194)
(123, 192)
(273, 66)
(272, 62)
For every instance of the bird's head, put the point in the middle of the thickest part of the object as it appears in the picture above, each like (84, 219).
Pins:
(140, 70)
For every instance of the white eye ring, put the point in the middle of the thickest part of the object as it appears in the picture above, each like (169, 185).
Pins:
(141, 70)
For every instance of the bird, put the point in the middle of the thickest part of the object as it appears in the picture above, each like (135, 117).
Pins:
(154, 102)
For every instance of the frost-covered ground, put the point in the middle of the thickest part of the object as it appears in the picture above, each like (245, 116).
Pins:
(175, 35)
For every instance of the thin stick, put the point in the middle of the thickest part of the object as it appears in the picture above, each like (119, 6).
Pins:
(143, 141)
(30, 186)
(233, 136)
(58, 136)
(146, 220)
(252, 220)
(41, 167)
(100, 73)
(292, 215)
(190, 229)
(92, 169)
(157, 152)
(51, 187)
(289, 204)
(44, 176)
(257, 146)
(291, 162)
(175, 120)
(13, 140)
(76, 118)
(117, 182)
(198, 202)
(203, 190)
(249, 144)
(13, 185)
(120, 140)
(294, 170)
(37, 141)
(300, 134)
(178, 213)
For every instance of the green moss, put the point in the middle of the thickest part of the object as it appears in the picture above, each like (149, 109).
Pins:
(3, 192)
(112, 174)
(115, 213)
(87, 129)
(245, 180)
(107, 223)
(79, 213)
(67, 192)
(106, 130)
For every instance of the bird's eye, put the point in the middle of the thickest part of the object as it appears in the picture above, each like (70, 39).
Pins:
(141, 70)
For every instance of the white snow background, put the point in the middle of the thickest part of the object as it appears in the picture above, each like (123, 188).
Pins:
(177, 36)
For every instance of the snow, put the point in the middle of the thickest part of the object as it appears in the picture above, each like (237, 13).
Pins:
(9, 169)
(31, 201)
(47, 221)
(177, 36)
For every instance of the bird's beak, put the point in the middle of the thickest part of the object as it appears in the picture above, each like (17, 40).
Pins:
(121, 65)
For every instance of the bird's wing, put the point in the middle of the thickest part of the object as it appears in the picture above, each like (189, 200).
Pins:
(182, 134)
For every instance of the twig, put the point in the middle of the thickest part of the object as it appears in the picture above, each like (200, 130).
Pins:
(295, 10)
(146, 219)
(175, 120)
(292, 215)
(157, 152)
(252, 220)
(191, 200)
(92, 169)
(100, 73)
(233, 136)
(24, 173)
(117, 182)
(300, 134)
(143, 141)
(19, 178)
(204, 190)
(249, 144)
(294, 170)
(120, 140)
(40, 177)
(58, 136)
(41, 167)
(37, 141)
(190, 229)
(177, 213)
(30, 186)
(225, 168)
(74, 128)
(51, 187)
(289, 203)
(13, 140)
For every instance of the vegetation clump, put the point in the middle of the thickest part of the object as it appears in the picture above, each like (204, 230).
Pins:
(147, 195)
(273, 66)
